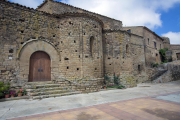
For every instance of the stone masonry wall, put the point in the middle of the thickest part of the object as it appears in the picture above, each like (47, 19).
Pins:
(166, 42)
(152, 53)
(124, 55)
(75, 35)
(68, 37)
(138, 30)
(82, 47)
(84, 86)
(175, 50)
(115, 56)
(138, 57)
(54, 7)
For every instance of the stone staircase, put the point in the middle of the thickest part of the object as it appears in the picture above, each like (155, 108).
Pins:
(159, 73)
(40, 90)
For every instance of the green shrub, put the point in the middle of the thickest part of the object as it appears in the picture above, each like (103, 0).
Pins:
(24, 92)
(162, 52)
(116, 79)
(121, 87)
(4, 89)
(107, 79)
(166, 49)
(1, 89)
(154, 64)
(116, 86)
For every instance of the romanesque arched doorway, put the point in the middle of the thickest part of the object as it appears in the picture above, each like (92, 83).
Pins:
(40, 67)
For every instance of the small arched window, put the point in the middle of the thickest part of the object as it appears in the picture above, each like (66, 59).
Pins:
(91, 45)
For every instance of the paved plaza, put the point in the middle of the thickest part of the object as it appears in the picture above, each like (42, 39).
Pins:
(145, 102)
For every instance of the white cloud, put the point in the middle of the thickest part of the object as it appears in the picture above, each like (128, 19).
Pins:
(173, 36)
(28, 3)
(130, 12)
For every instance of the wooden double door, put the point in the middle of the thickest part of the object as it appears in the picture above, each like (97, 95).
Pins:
(40, 67)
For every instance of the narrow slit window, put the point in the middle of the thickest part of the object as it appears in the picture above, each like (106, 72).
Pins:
(91, 45)
(139, 68)
(127, 49)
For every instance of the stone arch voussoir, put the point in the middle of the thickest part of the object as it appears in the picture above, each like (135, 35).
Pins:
(31, 46)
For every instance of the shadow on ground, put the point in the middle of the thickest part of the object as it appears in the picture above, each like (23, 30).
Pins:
(85, 116)
(170, 115)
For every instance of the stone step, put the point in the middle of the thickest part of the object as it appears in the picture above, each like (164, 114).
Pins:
(40, 83)
(42, 86)
(55, 95)
(13, 98)
(46, 89)
(40, 90)
(49, 92)
(158, 74)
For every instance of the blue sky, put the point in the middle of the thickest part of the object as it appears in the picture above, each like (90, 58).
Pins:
(161, 16)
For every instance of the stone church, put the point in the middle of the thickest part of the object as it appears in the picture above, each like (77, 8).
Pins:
(70, 47)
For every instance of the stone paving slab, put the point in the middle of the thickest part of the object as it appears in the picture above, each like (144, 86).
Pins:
(171, 97)
(144, 92)
(146, 108)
